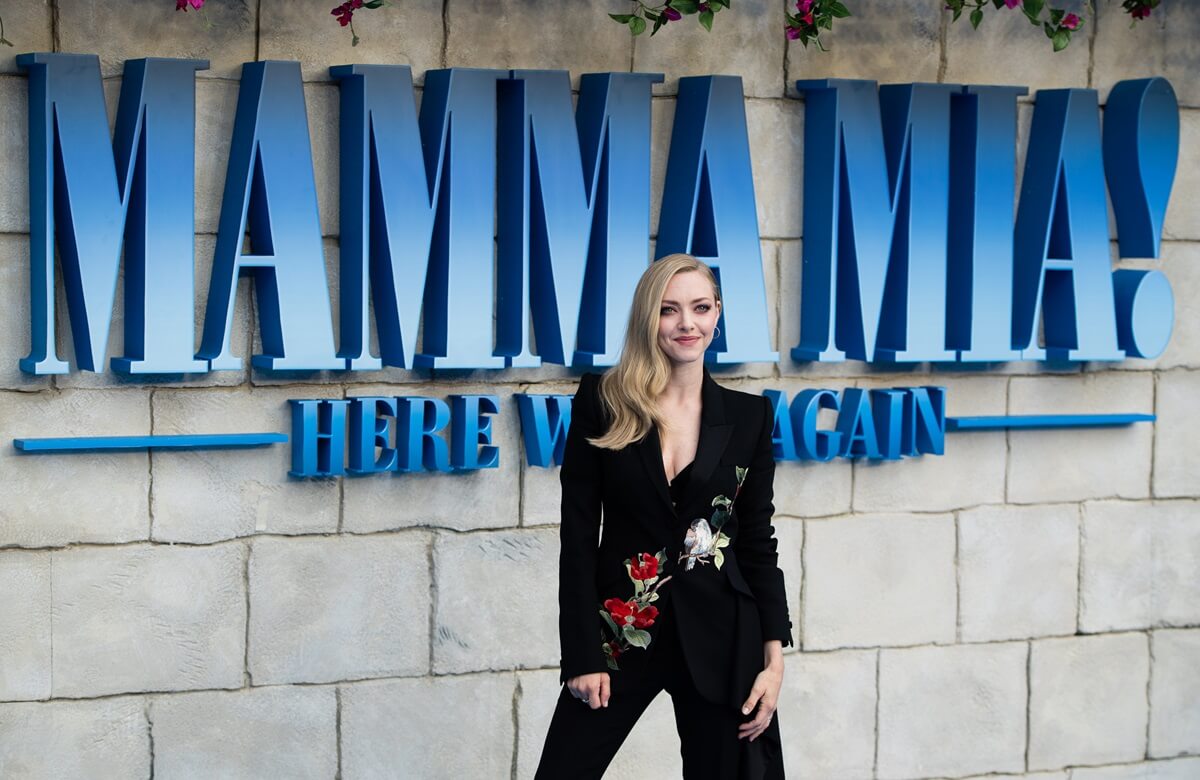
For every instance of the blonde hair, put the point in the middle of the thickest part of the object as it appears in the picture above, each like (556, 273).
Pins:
(630, 388)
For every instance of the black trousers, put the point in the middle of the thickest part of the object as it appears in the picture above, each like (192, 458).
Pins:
(581, 742)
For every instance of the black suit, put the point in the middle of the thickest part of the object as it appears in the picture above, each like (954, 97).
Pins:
(722, 615)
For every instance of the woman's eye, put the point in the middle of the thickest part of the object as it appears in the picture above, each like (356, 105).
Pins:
(704, 306)
(665, 310)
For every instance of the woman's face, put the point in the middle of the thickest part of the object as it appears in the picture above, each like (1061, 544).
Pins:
(687, 315)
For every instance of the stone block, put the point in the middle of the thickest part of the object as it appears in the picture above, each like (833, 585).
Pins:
(1141, 565)
(216, 109)
(304, 30)
(747, 42)
(53, 500)
(24, 625)
(97, 738)
(16, 338)
(812, 489)
(951, 711)
(1087, 700)
(1177, 769)
(223, 33)
(148, 618)
(650, 750)
(323, 102)
(1180, 263)
(1176, 431)
(878, 580)
(776, 129)
(900, 44)
(1046, 466)
(1164, 44)
(436, 713)
(1017, 571)
(495, 600)
(284, 731)
(1007, 49)
(462, 500)
(28, 26)
(1174, 691)
(827, 714)
(1183, 218)
(498, 35)
(324, 609)
(971, 470)
(14, 150)
(209, 495)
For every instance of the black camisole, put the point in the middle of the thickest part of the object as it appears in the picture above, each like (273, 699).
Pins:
(678, 484)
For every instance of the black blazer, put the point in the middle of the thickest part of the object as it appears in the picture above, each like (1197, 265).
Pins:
(723, 615)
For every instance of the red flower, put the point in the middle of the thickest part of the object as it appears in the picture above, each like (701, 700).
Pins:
(1141, 12)
(182, 5)
(646, 569)
(614, 650)
(345, 11)
(672, 14)
(627, 612)
(1070, 22)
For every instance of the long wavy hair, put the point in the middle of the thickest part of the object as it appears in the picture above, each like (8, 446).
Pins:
(630, 388)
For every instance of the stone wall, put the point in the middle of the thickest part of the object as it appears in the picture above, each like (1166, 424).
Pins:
(1027, 604)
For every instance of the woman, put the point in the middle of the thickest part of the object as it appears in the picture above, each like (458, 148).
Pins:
(683, 592)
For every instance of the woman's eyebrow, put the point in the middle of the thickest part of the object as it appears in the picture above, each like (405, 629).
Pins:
(697, 300)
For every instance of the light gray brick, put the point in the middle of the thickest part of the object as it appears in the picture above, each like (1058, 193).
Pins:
(1177, 769)
(1027, 57)
(970, 472)
(24, 625)
(497, 35)
(431, 709)
(789, 533)
(776, 129)
(899, 44)
(14, 150)
(462, 500)
(952, 710)
(15, 339)
(492, 595)
(1018, 569)
(326, 609)
(1162, 45)
(52, 500)
(1174, 692)
(879, 580)
(210, 495)
(27, 25)
(147, 618)
(285, 731)
(99, 738)
(304, 30)
(1183, 218)
(1176, 431)
(1087, 700)
(93, 26)
(827, 714)
(1069, 465)
(747, 41)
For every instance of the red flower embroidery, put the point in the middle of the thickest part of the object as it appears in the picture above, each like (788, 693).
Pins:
(646, 569)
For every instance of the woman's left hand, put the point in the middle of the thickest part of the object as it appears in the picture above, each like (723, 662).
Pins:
(764, 692)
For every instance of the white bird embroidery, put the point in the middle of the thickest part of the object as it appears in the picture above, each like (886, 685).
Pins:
(698, 541)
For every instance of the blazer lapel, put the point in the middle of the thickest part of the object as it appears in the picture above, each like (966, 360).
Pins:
(714, 436)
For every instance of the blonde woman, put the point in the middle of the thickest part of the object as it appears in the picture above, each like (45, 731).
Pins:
(683, 591)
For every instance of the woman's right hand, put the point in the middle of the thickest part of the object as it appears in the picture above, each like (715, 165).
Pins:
(593, 689)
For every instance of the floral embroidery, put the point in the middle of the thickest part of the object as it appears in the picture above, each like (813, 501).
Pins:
(705, 538)
(629, 619)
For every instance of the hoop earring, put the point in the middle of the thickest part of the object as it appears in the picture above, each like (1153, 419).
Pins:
(716, 331)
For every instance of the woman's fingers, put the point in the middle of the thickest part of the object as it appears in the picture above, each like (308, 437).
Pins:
(755, 694)
(605, 690)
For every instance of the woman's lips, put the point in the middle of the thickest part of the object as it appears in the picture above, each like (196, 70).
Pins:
(689, 340)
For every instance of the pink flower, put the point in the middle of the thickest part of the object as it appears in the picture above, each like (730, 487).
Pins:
(1140, 13)
(671, 14)
(182, 5)
(804, 6)
(1010, 4)
(793, 33)
(1070, 22)
(345, 11)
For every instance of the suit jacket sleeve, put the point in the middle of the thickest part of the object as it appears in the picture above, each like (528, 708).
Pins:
(581, 478)
(756, 544)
